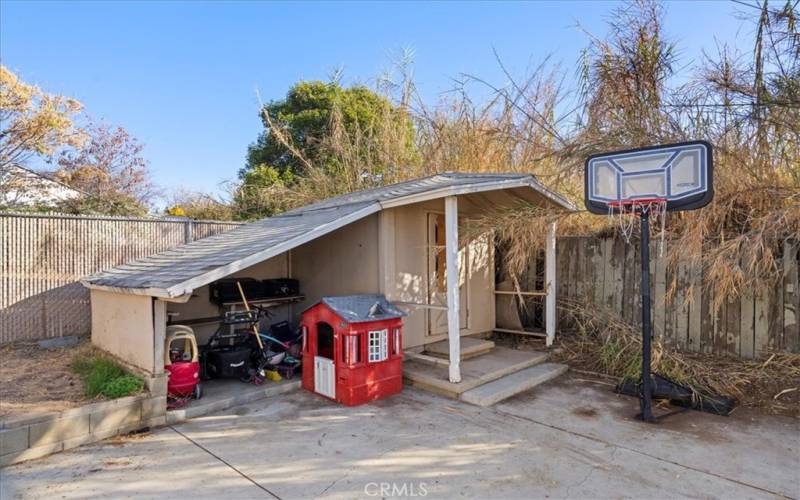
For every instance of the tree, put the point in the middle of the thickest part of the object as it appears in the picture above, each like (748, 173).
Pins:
(33, 122)
(111, 169)
(325, 126)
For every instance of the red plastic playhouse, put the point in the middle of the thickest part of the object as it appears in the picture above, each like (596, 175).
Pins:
(353, 348)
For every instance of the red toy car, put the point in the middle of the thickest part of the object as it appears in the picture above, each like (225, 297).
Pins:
(183, 365)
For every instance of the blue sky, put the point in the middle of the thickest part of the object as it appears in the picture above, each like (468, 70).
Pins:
(181, 76)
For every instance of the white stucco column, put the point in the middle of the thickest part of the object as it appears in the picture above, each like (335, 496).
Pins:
(159, 334)
(451, 260)
(550, 283)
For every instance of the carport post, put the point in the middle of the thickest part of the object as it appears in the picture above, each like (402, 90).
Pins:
(550, 284)
(451, 261)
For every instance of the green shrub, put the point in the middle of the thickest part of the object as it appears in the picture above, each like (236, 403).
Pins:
(122, 386)
(104, 376)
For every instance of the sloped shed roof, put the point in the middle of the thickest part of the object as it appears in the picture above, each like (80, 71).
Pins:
(182, 269)
(362, 308)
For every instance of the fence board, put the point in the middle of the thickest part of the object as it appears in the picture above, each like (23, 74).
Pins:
(747, 324)
(791, 296)
(43, 255)
(695, 306)
(681, 323)
(608, 270)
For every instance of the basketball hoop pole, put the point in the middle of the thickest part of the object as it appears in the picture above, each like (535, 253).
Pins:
(645, 398)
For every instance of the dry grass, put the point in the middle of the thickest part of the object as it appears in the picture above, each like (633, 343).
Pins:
(37, 380)
(601, 342)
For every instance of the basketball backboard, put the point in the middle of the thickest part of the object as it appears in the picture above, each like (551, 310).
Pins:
(680, 174)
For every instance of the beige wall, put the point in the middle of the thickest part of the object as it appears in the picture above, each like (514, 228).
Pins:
(404, 252)
(343, 262)
(122, 324)
(200, 306)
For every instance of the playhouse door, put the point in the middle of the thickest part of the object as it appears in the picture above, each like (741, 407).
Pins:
(437, 277)
(324, 377)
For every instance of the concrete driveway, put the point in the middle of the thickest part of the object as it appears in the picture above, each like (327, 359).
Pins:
(569, 439)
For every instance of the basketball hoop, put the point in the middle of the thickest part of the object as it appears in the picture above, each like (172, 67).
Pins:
(648, 182)
(656, 208)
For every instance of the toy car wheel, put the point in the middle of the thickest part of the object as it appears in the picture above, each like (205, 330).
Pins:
(198, 391)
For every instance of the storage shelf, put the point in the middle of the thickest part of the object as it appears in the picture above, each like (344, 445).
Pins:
(271, 301)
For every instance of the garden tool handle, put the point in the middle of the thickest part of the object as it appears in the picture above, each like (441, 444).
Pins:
(247, 308)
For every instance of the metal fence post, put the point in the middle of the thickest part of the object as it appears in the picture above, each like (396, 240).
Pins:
(188, 231)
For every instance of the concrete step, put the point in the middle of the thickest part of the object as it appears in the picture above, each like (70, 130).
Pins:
(510, 385)
(470, 348)
(476, 371)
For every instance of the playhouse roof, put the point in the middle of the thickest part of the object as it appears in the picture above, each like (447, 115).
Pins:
(362, 308)
(182, 269)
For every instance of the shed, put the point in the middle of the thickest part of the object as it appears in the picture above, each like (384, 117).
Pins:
(355, 345)
(399, 240)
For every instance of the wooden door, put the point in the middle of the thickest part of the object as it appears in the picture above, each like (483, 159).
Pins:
(437, 277)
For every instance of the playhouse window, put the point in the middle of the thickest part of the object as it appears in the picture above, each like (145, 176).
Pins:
(378, 347)
(395, 341)
(353, 356)
(305, 339)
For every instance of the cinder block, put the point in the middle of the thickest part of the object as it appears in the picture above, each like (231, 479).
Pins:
(104, 433)
(154, 407)
(30, 454)
(13, 440)
(58, 430)
(80, 441)
(157, 385)
(26, 420)
(155, 422)
(116, 417)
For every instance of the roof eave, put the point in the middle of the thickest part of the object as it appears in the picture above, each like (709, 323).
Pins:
(150, 291)
(480, 187)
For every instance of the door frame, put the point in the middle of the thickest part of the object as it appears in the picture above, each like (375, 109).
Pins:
(430, 281)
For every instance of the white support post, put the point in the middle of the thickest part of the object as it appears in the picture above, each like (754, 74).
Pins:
(550, 286)
(451, 260)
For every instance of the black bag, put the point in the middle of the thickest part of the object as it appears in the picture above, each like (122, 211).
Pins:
(282, 331)
(227, 362)
(281, 287)
(226, 290)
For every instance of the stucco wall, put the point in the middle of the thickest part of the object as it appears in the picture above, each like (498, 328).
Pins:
(122, 324)
(199, 306)
(343, 262)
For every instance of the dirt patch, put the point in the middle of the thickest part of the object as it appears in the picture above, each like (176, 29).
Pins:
(37, 380)
(585, 411)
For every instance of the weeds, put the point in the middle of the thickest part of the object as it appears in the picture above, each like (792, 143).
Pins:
(103, 376)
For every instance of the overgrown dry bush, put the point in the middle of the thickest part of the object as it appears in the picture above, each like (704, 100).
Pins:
(600, 341)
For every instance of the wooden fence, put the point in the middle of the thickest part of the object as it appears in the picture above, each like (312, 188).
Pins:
(42, 257)
(608, 273)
